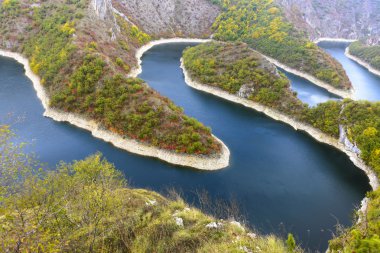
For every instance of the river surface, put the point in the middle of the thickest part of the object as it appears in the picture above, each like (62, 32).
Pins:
(366, 84)
(283, 180)
(308, 92)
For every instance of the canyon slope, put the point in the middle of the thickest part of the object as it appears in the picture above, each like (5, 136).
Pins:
(171, 18)
(83, 54)
(349, 19)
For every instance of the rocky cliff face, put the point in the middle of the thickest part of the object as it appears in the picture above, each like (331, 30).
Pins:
(103, 10)
(169, 18)
(350, 19)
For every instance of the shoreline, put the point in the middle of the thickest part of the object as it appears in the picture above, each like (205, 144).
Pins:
(361, 62)
(298, 126)
(327, 39)
(140, 52)
(316, 134)
(136, 71)
(312, 79)
(132, 146)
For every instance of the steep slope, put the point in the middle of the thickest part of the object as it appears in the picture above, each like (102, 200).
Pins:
(368, 56)
(262, 25)
(241, 76)
(171, 18)
(349, 19)
(83, 54)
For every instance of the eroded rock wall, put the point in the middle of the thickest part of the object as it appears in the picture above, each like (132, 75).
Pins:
(171, 18)
(349, 19)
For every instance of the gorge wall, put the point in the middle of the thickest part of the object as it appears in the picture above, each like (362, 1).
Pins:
(350, 19)
(170, 18)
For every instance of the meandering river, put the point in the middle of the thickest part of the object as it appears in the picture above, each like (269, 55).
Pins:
(283, 180)
(366, 84)
(308, 92)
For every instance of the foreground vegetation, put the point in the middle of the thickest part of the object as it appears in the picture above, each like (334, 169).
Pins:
(84, 65)
(233, 67)
(261, 24)
(370, 54)
(87, 206)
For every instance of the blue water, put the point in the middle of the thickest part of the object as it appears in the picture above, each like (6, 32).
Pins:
(283, 180)
(366, 84)
(308, 92)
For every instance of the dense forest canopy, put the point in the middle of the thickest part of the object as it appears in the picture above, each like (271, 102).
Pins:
(237, 69)
(261, 24)
(362, 123)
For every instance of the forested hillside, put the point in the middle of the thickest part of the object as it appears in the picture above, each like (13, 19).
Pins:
(236, 69)
(261, 24)
(361, 121)
(369, 54)
(83, 59)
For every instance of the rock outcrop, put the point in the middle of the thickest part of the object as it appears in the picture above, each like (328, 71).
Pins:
(349, 19)
(170, 18)
(104, 11)
(103, 8)
(347, 143)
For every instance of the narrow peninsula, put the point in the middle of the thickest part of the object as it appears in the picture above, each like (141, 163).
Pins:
(235, 73)
(83, 73)
(365, 55)
(266, 29)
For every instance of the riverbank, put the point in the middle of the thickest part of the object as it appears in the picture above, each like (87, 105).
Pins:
(315, 133)
(314, 80)
(140, 52)
(326, 39)
(194, 161)
(361, 62)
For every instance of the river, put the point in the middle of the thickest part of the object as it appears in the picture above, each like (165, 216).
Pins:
(283, 180)
(366, 84)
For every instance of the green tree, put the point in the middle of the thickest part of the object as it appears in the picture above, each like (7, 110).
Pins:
(291, 243)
